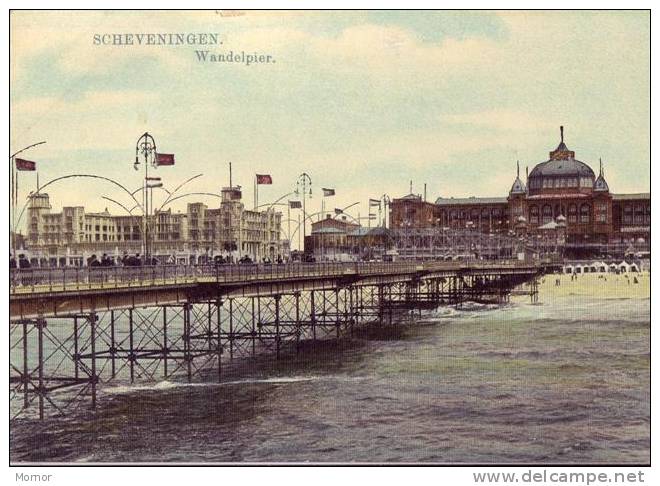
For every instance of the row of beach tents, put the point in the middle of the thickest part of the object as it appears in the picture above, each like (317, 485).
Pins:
(601, 267)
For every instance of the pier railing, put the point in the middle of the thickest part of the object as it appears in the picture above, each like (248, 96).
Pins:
(44, 280)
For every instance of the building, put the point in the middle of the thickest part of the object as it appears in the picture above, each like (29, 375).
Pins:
(561, 191)
(69, 237)
(329, 239)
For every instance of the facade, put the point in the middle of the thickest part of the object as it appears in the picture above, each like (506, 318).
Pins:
(70, 236)
(328, 239)
(338, 239)
(561, 193)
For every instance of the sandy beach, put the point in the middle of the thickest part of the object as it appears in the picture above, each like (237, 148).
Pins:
(598, 285)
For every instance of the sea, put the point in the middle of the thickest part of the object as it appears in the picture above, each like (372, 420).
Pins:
(562, 381)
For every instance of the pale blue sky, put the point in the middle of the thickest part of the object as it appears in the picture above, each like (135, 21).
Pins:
(362, 101)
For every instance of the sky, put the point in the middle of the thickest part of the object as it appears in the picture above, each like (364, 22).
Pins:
(364, 102)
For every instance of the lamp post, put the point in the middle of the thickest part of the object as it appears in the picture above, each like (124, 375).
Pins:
(146, 146)
(303, 188)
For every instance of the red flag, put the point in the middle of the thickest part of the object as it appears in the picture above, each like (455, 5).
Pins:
(164, 159)
(22, 164)
(264, 179)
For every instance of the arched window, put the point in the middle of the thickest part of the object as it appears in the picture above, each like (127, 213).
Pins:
(547, 213)
(534, 214)
(453, 214)
(585, 213)
(572, 213)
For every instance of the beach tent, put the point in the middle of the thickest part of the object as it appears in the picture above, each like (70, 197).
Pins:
(599, 267)
(568, 268)
(624, 267)
(613, 267)
(634, 268)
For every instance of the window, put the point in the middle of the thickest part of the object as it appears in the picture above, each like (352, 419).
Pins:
(586, 182)
(547, 214)
(627, 214)
(572, 213)
(534, 214)
(585, 213)
(601, 212)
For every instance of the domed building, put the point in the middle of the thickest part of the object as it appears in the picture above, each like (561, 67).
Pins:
(561, 189)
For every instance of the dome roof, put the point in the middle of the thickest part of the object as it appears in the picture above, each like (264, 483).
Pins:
(562, 162)
(562, 167)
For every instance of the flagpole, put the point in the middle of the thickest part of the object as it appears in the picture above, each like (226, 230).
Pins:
(256, 193)
(13, 175)
(13, 210)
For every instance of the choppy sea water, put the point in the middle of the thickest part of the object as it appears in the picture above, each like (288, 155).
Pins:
(566, 380)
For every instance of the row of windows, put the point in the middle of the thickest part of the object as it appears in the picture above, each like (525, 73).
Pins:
(638, 219)
(548, 214)
(638, 209)
(560, 182)
(474, 213)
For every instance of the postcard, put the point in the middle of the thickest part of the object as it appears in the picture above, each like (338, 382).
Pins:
(330, 237)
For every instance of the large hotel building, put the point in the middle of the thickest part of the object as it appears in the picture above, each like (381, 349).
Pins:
(559, 192)
(70, 236)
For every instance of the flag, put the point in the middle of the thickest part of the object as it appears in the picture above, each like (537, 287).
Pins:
(328, 192)
(295, 204)
(264, 179)
(164, 159)
(338, 211)
(22, 164)
(374, 202)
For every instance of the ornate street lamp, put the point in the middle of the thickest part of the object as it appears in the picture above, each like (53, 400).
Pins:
(146, 146)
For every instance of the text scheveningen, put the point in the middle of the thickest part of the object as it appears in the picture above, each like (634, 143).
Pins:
(157, 39)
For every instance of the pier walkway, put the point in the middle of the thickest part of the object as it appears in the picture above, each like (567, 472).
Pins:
(80, 327)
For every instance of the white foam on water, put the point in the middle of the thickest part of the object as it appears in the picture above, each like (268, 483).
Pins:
(281, 379)
(169, 385)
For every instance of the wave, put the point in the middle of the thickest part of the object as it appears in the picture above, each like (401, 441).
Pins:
(169, 385)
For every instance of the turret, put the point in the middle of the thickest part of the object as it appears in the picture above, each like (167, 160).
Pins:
(518, 187)
(601, 184)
